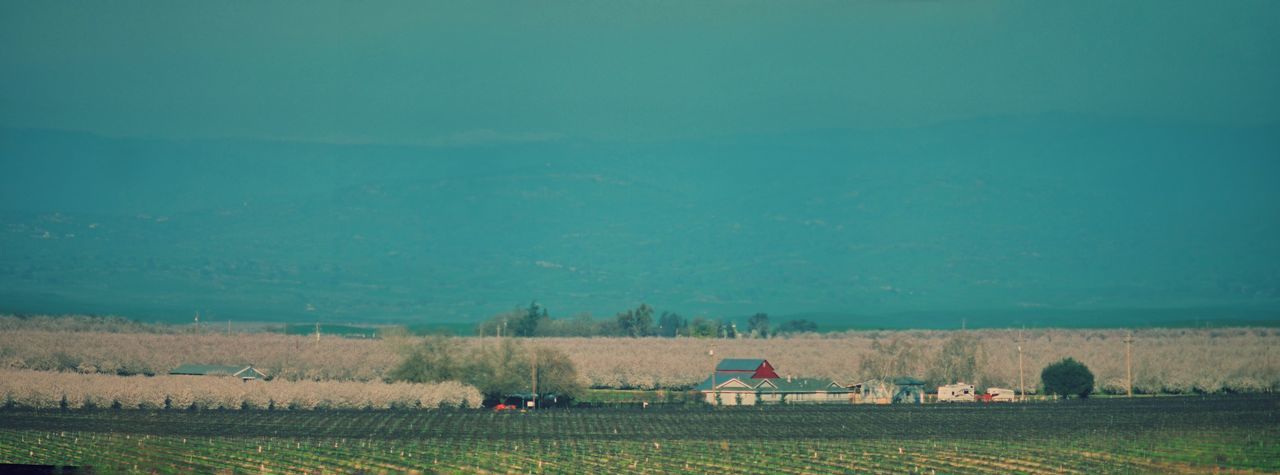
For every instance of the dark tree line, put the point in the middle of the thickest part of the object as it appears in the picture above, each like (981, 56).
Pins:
(535, 320)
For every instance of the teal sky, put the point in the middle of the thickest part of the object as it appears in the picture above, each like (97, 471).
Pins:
(849, 160)
(476, 72)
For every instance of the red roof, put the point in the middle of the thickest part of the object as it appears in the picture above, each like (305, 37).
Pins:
(758, 368)
(765, 371)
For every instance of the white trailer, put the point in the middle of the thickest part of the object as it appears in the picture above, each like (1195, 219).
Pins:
(959, 392)
(1001, 394)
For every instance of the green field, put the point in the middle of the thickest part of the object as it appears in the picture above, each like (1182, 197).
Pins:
(1185, 434)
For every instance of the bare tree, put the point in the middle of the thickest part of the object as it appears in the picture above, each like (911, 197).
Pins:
(960, 359)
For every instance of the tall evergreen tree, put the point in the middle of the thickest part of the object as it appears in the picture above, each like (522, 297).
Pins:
(671, 324)
(758, 325)
(533, 316)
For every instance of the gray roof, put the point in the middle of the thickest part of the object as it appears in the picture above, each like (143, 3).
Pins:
(896, 381)
(244, 371)
(739, 364)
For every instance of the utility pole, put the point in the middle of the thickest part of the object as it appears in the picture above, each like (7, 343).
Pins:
(1022, 389)
(228, 327)
(317, 333)
(1128, 362)
(534, 357)
(712, 354)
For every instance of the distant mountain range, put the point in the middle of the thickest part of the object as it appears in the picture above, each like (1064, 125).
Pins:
(1041, 221)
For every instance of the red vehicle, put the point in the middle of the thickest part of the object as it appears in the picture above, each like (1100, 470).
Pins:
(505, 407)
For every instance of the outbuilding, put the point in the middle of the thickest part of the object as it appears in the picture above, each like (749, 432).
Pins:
(899, 390)
(244, 372)
(754, 368)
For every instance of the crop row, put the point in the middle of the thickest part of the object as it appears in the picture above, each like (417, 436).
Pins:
(1141, 435)
(1149, 452)
(1100, 417)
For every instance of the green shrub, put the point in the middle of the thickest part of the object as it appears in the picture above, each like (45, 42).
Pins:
(1067, 378)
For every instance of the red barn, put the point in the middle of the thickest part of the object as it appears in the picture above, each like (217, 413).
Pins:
(740, 367)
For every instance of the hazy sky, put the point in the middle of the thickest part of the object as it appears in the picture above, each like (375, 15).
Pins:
(707, 157)
(474, 72)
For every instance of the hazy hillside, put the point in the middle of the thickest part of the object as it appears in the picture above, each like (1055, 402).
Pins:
(1028, 219)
